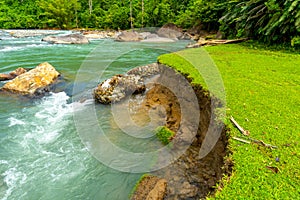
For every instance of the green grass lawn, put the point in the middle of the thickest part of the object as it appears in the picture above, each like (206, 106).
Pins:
(263, 95)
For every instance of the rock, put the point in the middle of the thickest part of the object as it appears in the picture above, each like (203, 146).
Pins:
(13, 74)
(220, 35)
(150, 188)
(187, 190)
(170, 31)
(30, 33)
(5, 77)
(186, 36)
(159, 191)
(144, 35)
(18, 72)
(34, 81)
(158, 40)
(99, 34)
(152, 35)
(67, 39)
(118, 87)
(145, 71)
(95, 36)
(129, 36)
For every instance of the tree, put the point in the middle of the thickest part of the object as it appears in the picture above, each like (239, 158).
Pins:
(272, 21)
(60, 13)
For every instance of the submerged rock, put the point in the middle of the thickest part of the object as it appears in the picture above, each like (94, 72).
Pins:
(33, 82)
(67, 39)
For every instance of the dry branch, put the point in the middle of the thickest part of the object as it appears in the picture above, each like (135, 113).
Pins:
(241, 140)
(243, 131)
(246, 133)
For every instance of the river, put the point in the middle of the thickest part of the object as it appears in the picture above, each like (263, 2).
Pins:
(41, 153)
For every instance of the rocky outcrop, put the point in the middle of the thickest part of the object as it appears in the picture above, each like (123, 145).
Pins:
(129, 36)
(35, 81)
(150, 188)
(13, 74)
(120, 86)
(67, 39)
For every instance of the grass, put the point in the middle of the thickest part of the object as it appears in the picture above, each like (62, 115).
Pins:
(164, 134)
(263, 94)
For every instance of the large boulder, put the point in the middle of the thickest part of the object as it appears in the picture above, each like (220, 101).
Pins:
(13, 74)
(129, 36)
(34, 81)
(67, 39)
(117, 88)
(120, 86)
(170, 31)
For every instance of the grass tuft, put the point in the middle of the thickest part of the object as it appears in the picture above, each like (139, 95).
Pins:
(164, 134)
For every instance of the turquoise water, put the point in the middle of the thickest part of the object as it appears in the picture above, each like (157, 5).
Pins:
(41, 153)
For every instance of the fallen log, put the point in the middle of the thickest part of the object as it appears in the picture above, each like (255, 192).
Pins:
(201, 43)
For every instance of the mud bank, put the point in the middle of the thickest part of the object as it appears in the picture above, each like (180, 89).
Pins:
(189, 176)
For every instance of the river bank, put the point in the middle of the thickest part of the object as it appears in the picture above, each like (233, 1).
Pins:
(261, 92)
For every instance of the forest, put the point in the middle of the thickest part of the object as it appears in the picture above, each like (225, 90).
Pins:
(270, 21)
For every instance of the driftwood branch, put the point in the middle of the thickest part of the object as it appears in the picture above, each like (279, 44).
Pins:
(243, 131)
(241, 140)
(263, 143)
(215, 42)
(246, 133)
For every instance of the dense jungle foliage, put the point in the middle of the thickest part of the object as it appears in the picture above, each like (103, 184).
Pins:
(272, 21)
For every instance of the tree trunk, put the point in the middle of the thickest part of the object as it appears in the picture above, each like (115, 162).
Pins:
(143, 13)
(131, 23)
(91, 6)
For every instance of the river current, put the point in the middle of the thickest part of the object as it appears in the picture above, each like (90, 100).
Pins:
(41, 153)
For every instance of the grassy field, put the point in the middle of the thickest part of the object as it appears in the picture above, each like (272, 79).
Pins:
(263, 94)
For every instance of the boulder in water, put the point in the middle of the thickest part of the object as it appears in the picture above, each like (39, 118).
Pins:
(67, 39)
(129, 36)
(35, 81)
(118, 87)
(170, 31)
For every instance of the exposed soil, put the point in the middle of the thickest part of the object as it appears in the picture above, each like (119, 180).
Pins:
(189, 177)
(150, 188)
(159, 95)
